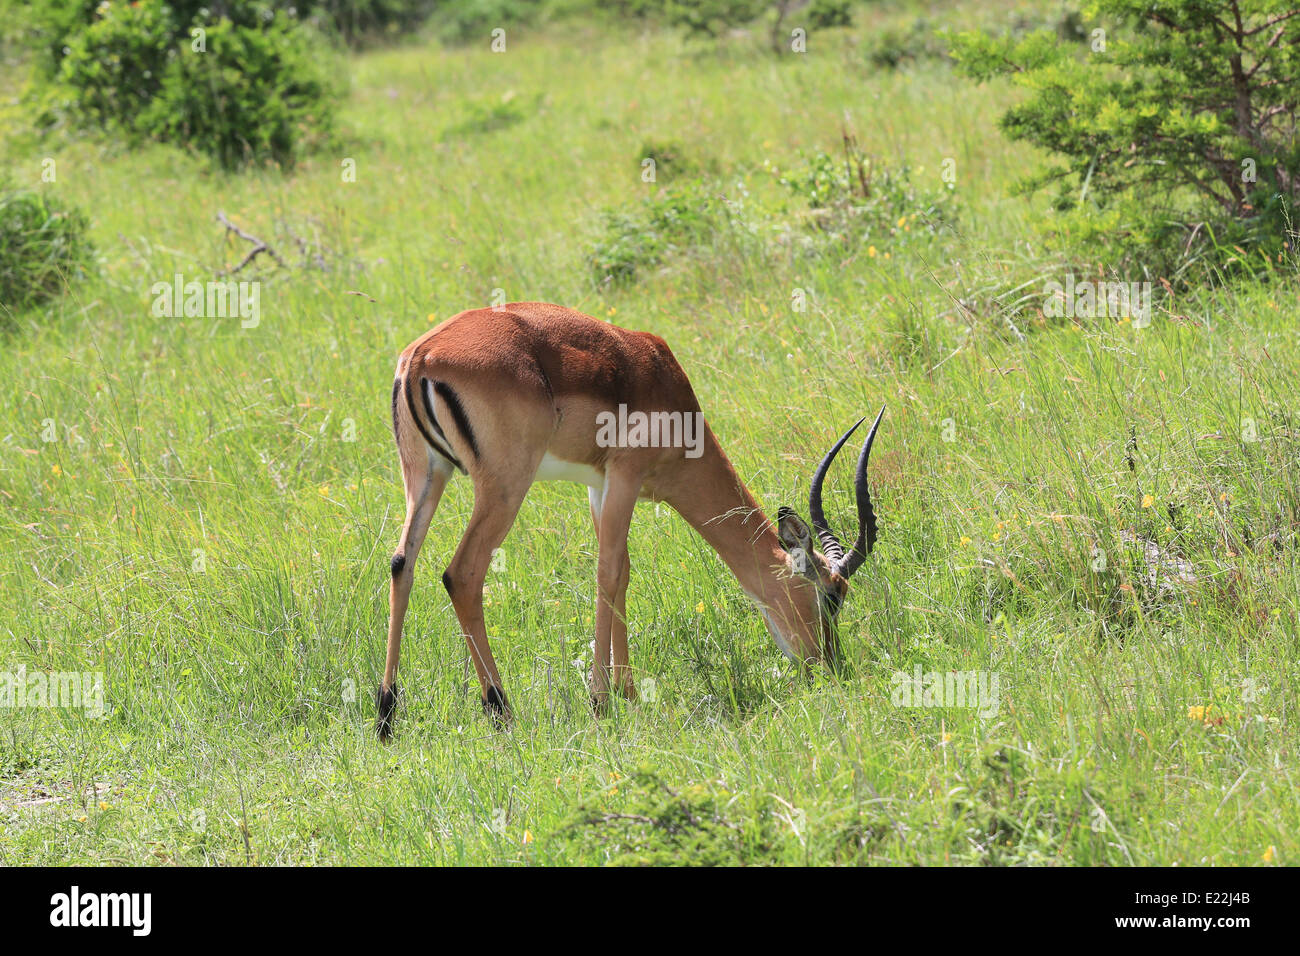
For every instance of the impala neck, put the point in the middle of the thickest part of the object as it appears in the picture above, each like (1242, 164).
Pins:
(712, 498)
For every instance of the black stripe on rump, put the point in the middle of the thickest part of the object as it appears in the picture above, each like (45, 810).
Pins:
(397, 387)
(433, 417)
(410, 404)
(448, 395)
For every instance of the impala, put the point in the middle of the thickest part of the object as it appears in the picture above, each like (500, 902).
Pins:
(518, 393)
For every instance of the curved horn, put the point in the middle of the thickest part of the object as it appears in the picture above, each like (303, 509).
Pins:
(866, 514)
(831, 546)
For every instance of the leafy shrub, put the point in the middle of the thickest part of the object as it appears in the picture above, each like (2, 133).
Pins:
(827, 14)
(711, 18)
(672, 161)
(667, 221)
(488, 116)
(645, 822)
(637, 10)
(53, 22)
(852, 199)
(472, 21)
(116, 64)
(1018, 809)
(923, 40)
(897, 47)
(253, 88)
(42, 246)
(359, 22)
(56, 22)
(1173, 137)
(256, 95)
(355, 22)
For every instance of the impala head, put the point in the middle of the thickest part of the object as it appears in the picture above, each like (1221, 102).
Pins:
(821, 577)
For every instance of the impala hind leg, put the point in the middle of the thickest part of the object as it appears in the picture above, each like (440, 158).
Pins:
(613, 568)
(495, 508)
(425, 481)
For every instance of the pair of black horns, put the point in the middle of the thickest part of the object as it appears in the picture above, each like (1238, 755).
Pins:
(844, 564)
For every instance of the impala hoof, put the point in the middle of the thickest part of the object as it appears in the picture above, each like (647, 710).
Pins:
(496, 706)
(386, 702)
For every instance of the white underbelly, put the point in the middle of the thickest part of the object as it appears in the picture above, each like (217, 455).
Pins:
(557, 469)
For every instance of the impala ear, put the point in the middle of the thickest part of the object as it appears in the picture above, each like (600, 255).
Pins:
(793, 531)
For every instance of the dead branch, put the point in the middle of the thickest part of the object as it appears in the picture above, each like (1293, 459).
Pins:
(259, 246)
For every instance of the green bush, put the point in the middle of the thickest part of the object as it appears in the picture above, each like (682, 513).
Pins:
(115, 66)
(896, 47)
(472, 21)
(42, 247)
(1173, 131)
(827, 14)
(712, 17)
(646, 822)
(53, 23)
(255, 95)
(640, 11)
(672, 160)
(50, 24)
(358, 22)
(667, 221)
(489, 115)
(854, 199)
(56, 22)
(253, 87)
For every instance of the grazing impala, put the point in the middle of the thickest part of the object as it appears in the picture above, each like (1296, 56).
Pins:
(529, 391)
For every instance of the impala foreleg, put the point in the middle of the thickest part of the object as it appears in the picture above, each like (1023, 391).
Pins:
(613, 568)
(622, 670)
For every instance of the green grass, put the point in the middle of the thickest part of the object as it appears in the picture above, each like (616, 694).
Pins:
(240, 725)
